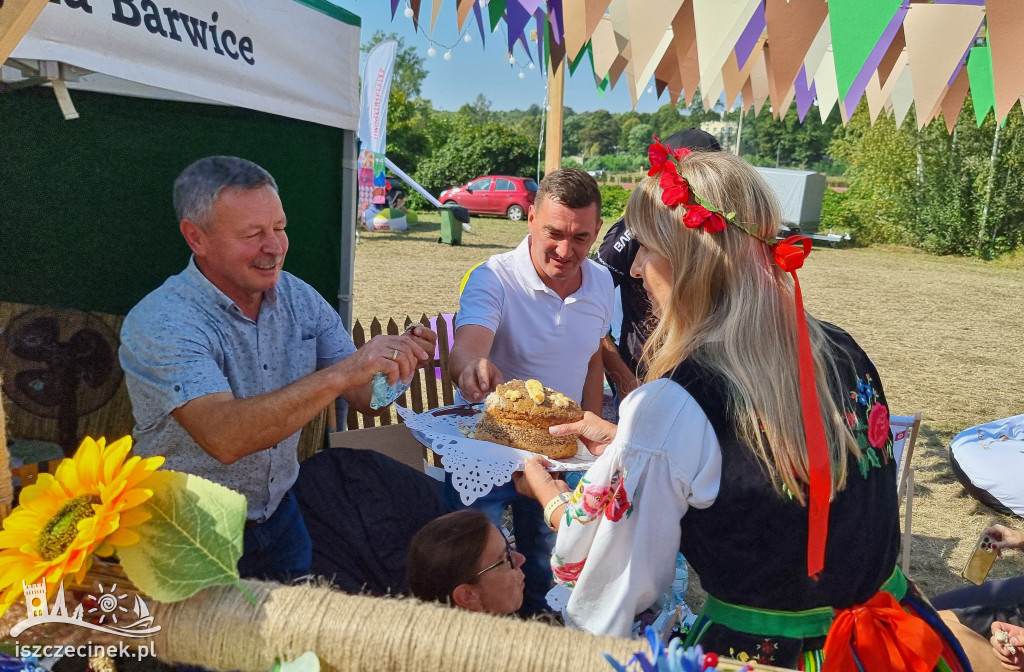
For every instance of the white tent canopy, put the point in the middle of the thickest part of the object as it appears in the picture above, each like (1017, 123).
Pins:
(294, 58)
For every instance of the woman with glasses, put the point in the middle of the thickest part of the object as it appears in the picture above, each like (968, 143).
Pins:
(461, 559)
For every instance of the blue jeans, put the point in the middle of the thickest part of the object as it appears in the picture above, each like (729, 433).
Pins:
(533, 538)
(279, 549)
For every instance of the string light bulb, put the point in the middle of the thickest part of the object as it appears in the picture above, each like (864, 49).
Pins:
(531, 65)
(448, 55)
(408, 12)
(522, 75)
(468, 38)
(431, 51)
(512, 60)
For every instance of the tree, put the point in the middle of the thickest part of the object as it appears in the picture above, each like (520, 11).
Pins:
(640, 139)
(477, 112)
(600, 133)
(409, 72)
(572, 125)
(473, 150)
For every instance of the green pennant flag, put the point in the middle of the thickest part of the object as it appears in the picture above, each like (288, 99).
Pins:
(856, 27)
(979, 73)
(495, 9)
(579, 58)
(603, 86)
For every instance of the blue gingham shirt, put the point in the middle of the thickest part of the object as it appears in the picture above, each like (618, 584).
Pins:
(187, 339)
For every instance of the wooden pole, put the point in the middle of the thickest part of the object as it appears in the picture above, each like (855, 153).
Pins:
(553, 143)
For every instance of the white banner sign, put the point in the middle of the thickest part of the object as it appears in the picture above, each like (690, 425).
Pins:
(373, 124)
(276, 56)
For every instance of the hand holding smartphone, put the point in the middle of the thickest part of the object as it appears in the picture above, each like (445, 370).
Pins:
(980, 563)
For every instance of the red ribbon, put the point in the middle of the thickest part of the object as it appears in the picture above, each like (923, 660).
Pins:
(881, 636)
(789, 255)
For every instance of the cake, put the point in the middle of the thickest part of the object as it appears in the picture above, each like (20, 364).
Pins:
(518, 414)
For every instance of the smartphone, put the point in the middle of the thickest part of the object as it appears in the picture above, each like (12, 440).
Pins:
(980, 562)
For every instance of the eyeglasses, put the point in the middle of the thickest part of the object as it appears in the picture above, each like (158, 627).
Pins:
(499, 563)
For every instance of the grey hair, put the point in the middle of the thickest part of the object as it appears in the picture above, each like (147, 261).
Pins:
(197, 188)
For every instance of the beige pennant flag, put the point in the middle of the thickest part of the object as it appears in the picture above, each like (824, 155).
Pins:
(792, 27)
(719, 23)
(901, 92)
(435, 9)
(581, 18)
(1005, 20)
(747, 95)
(734, 78)
(954, 99)
(933, 61)
(825, 85)
(684, 40)
(462, 10)
(759, 81)
(604, 47)
(650, 34)
(876, 101)
(16, 17)
(815, 54)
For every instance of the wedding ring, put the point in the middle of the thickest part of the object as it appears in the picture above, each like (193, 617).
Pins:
(394, 355)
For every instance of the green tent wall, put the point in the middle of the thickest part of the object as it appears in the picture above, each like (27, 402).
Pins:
(86, 219)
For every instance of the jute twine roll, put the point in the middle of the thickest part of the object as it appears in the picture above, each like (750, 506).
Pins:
(220, 629)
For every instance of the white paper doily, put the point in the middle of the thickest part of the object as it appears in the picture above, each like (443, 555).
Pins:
(476, 466)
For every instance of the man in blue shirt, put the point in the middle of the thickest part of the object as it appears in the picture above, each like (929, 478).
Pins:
(229, 359)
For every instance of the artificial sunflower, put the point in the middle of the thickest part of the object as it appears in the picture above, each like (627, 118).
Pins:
(88, 506)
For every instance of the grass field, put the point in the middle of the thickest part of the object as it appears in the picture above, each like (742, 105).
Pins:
(946, 333)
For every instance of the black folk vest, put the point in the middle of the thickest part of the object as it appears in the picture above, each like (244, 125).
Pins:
(750, 546)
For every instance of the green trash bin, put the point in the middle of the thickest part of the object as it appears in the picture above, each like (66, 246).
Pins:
(451, 228)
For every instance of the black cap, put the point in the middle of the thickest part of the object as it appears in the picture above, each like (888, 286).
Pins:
(693, 138)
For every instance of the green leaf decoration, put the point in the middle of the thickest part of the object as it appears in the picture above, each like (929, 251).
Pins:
(193, 540)
(307, 662)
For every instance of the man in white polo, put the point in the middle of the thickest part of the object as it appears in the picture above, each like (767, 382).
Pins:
(539, 311)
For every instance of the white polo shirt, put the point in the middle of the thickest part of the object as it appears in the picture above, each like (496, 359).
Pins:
(536, 333)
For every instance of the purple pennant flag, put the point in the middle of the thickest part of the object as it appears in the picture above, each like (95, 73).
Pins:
(530, 5)
(541, 30)
(555, 18)
(480, 23)
(804, 94)
(517, 18)
(860, 82)
(526, 47)
(394, 8)
(749, 36)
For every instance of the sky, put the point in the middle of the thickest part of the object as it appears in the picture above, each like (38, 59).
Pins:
(476, 68)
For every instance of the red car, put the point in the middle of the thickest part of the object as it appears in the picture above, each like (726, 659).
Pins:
(494, 195)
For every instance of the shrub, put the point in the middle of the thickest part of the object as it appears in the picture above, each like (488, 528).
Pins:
(613, 201)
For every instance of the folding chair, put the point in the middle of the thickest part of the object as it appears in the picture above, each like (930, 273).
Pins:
(904, 430)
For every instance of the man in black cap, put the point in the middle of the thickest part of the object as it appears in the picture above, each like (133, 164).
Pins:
(618, 249)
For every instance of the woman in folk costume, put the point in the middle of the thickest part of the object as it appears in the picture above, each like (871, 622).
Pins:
(759, 446)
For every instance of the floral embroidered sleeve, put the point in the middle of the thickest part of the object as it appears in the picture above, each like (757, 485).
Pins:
(617, 544)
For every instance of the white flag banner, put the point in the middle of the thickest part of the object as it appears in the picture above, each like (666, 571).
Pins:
(373, 123)
(294, 58)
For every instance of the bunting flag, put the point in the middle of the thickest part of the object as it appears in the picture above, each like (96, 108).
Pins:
(414, 5)
(792, 28)
(462, 9)
(935, 62)
(650, 35)
(893, 53)
(434, 11)
(16, 17)
(826, 86)
(719, 23)
(954, 99)
(1006, 42)
(979, 72)
(861, 33)
(480, 22)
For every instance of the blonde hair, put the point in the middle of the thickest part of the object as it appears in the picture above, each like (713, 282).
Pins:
(731, 309)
